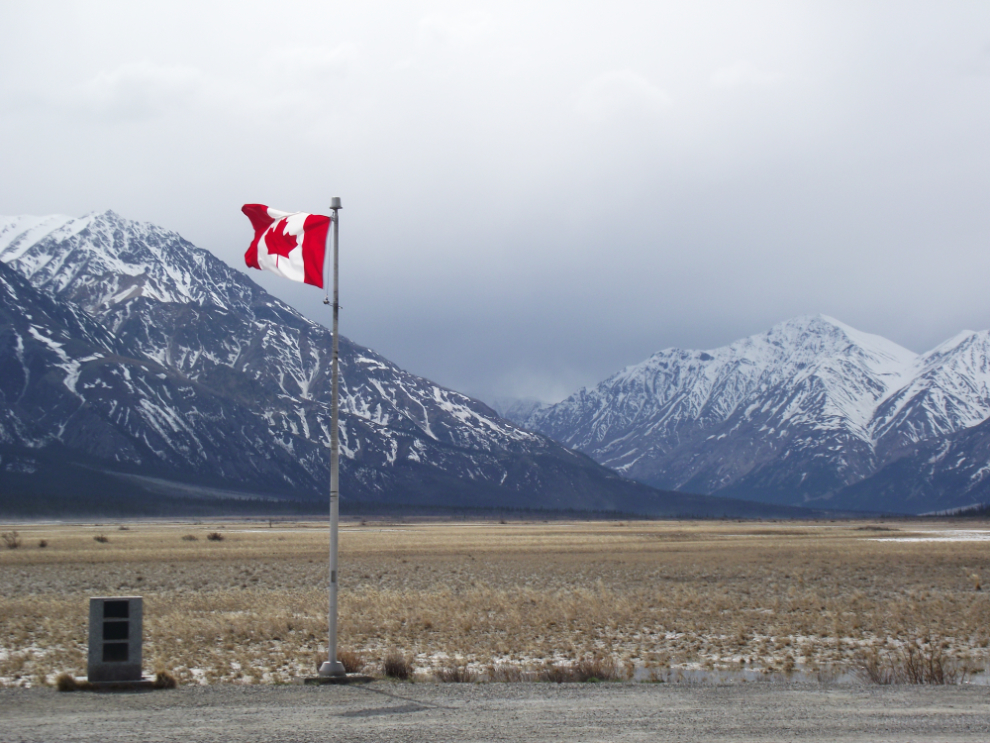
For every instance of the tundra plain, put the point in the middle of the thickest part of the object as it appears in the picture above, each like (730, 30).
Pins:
(662, 599)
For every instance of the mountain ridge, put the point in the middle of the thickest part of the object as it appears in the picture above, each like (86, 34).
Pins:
(794, 415)
(195, 373)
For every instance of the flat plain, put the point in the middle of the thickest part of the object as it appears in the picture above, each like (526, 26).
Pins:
(664, 600)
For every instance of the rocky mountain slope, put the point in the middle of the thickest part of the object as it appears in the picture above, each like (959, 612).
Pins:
(797, 415)
(134, 355)
(941, 473)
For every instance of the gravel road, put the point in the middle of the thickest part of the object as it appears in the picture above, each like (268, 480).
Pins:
(387, 711)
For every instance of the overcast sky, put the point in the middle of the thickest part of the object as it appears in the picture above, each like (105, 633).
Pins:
(536, 194)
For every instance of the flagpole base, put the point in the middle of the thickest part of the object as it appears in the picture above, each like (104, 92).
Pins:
(350, 678)
(331, 669)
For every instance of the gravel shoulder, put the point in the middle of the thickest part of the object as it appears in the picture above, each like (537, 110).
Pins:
(387, 711)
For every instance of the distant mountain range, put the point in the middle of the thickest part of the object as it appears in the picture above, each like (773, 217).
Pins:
(139, 373)
(812, 412)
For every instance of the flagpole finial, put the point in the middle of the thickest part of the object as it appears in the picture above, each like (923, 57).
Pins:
(335, 203)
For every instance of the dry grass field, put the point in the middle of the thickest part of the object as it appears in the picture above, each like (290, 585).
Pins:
(502, 600)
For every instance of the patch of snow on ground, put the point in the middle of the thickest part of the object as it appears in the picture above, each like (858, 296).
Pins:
(950, 535)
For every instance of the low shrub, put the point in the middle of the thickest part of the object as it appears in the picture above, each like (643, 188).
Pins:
(557, 673)
(584, 670)
(455, 674)
(102, 538)
(189, 538)
(505, 673)
(11, 540)
(916, 663)
(68, 682)
(215, 536)
(598, 669)
(42, 543)
(397, 666)
(165, 680)
(352, 662)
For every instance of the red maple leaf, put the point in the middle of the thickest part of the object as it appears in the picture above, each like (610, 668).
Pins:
(279, 242)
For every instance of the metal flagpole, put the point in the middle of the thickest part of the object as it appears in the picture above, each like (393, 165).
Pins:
(332, 666)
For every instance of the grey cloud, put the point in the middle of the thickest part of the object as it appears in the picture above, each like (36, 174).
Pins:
(621, 92)
(539, 194)
(453, 29)
(136, 90)
(285, 65)
(744, 72)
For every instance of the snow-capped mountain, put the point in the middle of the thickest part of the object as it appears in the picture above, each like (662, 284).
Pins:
(101, 260)
(129, 347)
(946, 472)
(794, 415)
(947, 391)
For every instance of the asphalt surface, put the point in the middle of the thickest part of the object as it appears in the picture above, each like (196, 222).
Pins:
(386, 711)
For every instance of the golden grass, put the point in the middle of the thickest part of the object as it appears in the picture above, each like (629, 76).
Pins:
(496, 600)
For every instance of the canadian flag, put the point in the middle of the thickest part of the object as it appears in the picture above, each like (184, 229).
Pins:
(291, 244)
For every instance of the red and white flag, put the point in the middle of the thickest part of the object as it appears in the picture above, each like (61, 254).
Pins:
(291, 244)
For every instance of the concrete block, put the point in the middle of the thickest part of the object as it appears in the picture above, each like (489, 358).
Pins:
(115, 641)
